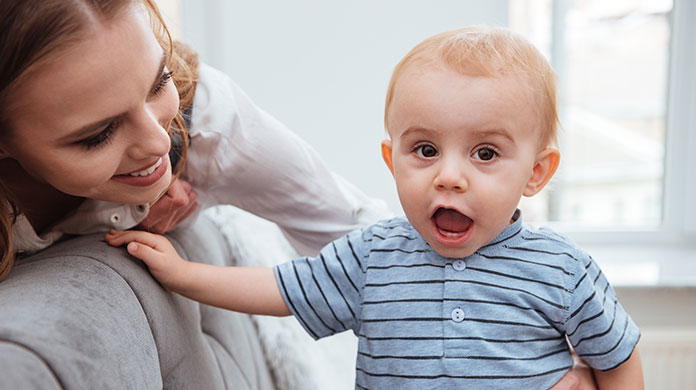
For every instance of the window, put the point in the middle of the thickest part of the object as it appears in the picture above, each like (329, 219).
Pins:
(627, 69)
(612, 60)
(626, 185)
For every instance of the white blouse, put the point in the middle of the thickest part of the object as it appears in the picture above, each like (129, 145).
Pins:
(241, 156)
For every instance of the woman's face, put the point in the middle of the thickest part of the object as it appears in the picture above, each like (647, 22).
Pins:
(92, 120)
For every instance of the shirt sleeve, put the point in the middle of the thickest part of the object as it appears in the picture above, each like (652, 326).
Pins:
(240, 155)
(324, 293)
(598, 327)
(92, 216)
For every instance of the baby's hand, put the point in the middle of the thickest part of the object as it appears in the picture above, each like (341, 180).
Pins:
(155, 251)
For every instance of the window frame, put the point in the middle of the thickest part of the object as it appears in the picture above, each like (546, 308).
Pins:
(670, 247)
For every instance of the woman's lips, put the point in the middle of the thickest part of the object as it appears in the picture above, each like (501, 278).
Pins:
(147, 170)
(450, 227)
(146, 176)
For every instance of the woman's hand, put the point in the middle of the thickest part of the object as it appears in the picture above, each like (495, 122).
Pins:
(156, 252)
(578, 378)
(175, 206)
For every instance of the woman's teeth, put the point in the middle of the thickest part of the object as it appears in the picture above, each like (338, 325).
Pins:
(148, 171)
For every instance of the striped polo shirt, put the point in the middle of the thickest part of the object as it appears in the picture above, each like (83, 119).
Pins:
(496, 319)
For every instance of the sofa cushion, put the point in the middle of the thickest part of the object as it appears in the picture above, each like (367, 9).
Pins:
(84, 315)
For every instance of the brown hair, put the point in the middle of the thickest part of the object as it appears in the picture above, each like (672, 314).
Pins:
(483, 51)
(31, 30)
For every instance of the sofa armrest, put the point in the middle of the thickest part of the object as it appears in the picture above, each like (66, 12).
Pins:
(28, 369)
(87, 315)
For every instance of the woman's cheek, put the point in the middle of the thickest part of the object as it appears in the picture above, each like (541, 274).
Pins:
(89, 174)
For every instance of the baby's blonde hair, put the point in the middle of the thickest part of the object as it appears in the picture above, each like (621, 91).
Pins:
(484, 51)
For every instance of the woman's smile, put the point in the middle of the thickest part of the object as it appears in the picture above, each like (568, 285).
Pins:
(147, 176)
(147, 170)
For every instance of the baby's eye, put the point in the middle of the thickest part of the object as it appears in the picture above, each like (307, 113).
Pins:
(426, 151)
(485, 154)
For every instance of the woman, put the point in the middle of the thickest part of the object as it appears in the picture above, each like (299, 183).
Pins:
(90, 96)
(92, 101)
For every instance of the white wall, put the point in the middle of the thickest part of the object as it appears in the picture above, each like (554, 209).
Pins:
(322, 66)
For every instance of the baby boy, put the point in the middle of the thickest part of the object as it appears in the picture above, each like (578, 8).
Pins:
(459, 293)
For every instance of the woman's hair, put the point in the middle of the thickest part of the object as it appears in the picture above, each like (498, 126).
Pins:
(483, 51)
(31, 31)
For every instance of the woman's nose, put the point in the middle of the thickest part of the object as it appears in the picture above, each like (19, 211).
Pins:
(451, 177)
(149, 137)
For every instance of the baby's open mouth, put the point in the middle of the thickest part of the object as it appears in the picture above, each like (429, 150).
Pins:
(451, 221)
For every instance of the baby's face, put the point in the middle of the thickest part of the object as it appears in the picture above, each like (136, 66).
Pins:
(463, 150)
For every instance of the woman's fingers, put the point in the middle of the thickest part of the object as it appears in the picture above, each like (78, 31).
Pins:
(578, 378)
(174, 218)
(175, 206)
(569, 381)
(184, 189)
(179, 194)
(185, 213)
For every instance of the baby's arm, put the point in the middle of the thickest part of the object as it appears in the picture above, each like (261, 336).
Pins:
(629, 375)
(250, 290)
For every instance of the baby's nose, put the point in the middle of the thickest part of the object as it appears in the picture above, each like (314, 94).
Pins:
(451, 177)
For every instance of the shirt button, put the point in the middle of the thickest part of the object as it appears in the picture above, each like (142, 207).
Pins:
(459, 265)
(457, 315)
(115, 218)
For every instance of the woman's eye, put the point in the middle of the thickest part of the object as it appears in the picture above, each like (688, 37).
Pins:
(426, 151)
(100, 139)
(161, 83)
(485, 154)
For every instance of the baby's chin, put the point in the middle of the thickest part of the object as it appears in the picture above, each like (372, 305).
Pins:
(452, 252)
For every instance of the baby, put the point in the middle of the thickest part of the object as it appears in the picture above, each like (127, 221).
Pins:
(459, 293)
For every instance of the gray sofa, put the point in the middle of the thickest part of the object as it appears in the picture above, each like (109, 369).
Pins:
(83, 315)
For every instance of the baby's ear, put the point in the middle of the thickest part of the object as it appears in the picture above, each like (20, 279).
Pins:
(545, 166)
(387, 154)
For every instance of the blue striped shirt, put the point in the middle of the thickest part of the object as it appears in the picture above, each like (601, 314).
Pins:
(496, 319)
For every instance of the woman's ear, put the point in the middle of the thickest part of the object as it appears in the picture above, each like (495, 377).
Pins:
(545, 166)
(387, 154)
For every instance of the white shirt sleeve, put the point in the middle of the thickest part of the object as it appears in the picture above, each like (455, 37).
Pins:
(92, 216)
(240, 155)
